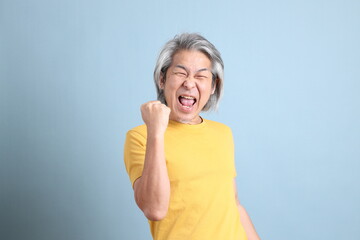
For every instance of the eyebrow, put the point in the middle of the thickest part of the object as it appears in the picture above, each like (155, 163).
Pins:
(200, 70)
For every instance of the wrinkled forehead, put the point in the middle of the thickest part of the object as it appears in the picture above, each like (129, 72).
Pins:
(191, 61)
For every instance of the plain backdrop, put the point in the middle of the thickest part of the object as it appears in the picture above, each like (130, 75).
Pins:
(73, 74)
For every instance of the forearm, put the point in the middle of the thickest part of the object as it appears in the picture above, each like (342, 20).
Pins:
(247, 223)
(152, 191)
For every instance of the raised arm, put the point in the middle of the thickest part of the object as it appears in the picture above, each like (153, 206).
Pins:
(245, 219)
(152, 189)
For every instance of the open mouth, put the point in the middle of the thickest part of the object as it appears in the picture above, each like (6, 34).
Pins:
(187, 101)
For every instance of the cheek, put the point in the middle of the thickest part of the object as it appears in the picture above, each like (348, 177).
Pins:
(170, 90)
(206, 89)
(172, 85)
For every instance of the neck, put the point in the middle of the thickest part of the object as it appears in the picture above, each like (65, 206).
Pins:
(196, 120)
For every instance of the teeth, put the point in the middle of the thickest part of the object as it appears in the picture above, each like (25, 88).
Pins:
(187, 97)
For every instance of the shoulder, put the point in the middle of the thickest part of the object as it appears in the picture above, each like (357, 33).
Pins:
(218, 125)
(138, 132)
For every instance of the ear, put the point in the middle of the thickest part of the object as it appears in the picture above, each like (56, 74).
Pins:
(162, 81)
(213, 90)
(214, 87)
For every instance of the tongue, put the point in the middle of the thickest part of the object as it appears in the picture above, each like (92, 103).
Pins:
(187, 102)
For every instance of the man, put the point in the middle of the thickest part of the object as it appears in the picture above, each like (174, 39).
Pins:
(181, 165)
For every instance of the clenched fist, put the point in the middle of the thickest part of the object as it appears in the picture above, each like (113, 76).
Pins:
(156, 116)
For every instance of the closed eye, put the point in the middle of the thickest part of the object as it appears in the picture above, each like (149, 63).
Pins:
(201, 77)
(180, 74)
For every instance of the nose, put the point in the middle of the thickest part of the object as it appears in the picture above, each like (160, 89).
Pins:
(189, 83)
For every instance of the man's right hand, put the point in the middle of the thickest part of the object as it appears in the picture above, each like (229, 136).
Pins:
(156, 117)
(152, 189)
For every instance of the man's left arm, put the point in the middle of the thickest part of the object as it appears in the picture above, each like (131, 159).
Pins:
(245, 219)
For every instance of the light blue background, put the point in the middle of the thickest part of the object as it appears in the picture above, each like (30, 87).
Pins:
(74, 73)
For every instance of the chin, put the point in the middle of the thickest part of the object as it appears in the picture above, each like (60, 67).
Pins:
(184, 115)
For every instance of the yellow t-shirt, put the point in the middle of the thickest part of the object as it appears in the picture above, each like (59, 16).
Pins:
(200, 164)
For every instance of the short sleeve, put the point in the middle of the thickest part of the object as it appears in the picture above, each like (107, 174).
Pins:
(233, 151)
(134, 154)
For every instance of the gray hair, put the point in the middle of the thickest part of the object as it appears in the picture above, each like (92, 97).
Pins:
(191, 41)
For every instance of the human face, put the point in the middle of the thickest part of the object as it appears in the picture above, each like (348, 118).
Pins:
(188, 86)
